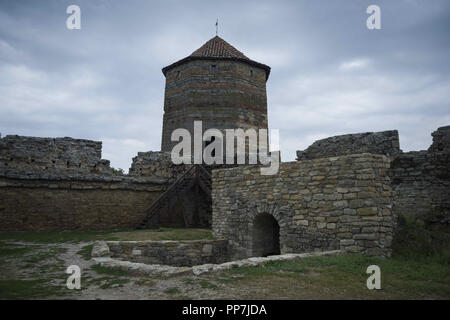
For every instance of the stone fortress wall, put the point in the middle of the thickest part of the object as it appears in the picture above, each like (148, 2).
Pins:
(420, 179)
(323, 204)
(22, 154)
(63, 184)
(335, 197)
(348, 199)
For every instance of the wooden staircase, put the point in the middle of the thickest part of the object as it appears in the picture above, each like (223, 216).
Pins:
(196, 174)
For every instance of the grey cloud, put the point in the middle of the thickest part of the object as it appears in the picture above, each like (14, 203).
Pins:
(330, 75)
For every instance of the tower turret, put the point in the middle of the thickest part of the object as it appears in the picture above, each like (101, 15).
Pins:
(218, 85)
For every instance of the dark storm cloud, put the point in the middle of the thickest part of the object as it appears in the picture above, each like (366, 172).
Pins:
(330, 74)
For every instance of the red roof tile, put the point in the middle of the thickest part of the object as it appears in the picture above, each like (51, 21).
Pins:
(218, 48)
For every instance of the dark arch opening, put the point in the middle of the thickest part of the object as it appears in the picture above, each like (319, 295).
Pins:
(266, 236)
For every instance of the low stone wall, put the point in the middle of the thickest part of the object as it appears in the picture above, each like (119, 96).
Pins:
(383, 142)
(152, 270)
(173, 253)
(324, 204)
(89, 202)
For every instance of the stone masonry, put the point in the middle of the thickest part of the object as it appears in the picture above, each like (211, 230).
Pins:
(384, 142)
(172, 253)
(421, 180)
(218, 85)
(63, 184)
(323, 204)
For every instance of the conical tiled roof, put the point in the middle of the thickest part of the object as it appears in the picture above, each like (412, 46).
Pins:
(218, 49)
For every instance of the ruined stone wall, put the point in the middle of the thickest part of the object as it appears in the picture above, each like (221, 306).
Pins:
(421, 180)
(156, 164)
(384, 142)
(21, 154)
(72, 203)
(223, 94)
(173, 253)
(324, 204)
(63, 184)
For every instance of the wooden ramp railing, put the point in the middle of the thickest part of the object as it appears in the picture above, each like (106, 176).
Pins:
(195, 174)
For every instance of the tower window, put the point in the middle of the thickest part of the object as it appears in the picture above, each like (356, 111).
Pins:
(214, 68)
(251, 73)
(178, 74)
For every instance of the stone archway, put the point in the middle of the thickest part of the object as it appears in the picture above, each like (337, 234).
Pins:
(265, 236)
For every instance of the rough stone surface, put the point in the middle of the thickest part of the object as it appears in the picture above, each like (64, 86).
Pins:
(155, 164)
(58, 184)
(21, 154)
(173, 253)
(165, 270)
(100, 249)
(323, 204)
(53, 204)
(421, 180)
(384, 142)
(222, 94)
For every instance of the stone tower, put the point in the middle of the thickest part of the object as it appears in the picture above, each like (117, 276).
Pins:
(218, 85)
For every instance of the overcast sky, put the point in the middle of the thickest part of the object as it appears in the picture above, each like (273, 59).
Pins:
(330, 74)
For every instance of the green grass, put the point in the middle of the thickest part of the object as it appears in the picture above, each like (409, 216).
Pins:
(85, 236)
(56, 236)
(85, 252)
(13, 252)
(401, 277)
(114, 283)
(205, 284)
(27, 289)
(165, 234)
(109, 271)
(171, 291)
(415, 241)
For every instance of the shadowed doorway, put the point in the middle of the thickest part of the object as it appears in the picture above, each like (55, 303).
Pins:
(266, 236)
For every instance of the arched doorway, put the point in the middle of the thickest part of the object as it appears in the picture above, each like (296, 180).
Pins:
(266, 236)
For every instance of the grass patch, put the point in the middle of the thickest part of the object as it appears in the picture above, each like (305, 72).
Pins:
(13, 252)
(109, 271)
(27, 289)
(205, 284)
(114, 283)
(401, 277)
(41, 256)
(416, 241)
(145, 282)
(85, 252)
(56, 236)
(86, 236)
(165, 234)
(171, 291)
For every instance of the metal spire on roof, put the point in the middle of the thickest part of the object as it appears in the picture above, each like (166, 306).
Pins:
(217, 27)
